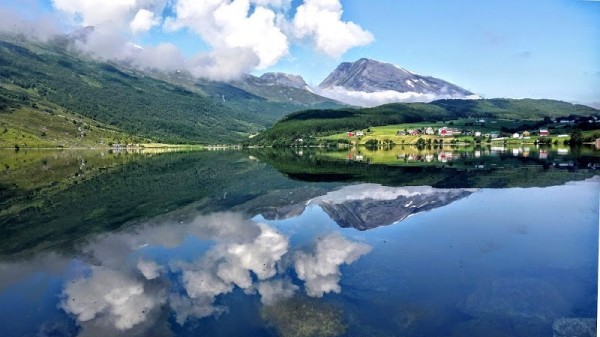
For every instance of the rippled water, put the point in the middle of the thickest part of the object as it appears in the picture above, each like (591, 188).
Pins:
(288, 244)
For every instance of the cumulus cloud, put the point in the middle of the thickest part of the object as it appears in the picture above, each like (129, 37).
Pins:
(226, 24)
(321, 21)
(320, 270)
(113, 297)
(371, 99)
(109, 13)
(242, 35)
(143, 21)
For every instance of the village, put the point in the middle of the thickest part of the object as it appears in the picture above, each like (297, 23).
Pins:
(480, 130)
(454, 132)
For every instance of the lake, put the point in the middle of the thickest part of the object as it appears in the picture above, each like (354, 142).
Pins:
(300, 242)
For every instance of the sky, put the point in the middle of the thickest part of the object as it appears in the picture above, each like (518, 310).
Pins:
(494, 48)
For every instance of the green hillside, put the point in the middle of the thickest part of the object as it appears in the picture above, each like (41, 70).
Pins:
(268, 103)
(313, 123)
(43, 85)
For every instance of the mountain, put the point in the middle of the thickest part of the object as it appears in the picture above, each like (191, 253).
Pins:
(50, 96)
(373, 83)
(287, 80)
(318, 122)
(285, 88)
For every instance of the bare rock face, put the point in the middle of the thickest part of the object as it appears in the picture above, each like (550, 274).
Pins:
(370, 76)
(287, 80)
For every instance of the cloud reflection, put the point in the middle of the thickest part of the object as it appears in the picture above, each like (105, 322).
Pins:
(320, 270)
(124, 288)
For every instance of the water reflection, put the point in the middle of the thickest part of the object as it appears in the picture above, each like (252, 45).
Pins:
(120, 285)
(252, 252)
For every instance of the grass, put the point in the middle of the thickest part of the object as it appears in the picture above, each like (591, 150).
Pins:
(388, 132)
(34, 128)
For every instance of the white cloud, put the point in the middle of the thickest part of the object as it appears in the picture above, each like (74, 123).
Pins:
(320, 270)
(371, 99)
(226, 24)
(42, 28)
(242, 35)
(108, 12)
(321, 21)
(143, 21)
(96, 12)
(110, 296)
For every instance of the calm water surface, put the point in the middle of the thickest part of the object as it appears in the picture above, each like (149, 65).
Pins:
(282, 243)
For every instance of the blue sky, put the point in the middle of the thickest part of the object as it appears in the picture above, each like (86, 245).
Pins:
(533, 48)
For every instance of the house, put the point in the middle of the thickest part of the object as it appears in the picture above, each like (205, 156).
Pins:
(401, 133)
(350, 134)
(477, 134)
(495, 134)
(481, 120)
(516, 135)
(445, 132)
(414, 132)
(359, 133)
(544, 132)
(526, 133)
(429, 131)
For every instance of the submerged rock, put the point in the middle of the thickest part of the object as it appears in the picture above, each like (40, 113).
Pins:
(574, 327)
(304, 317)
(524, 298)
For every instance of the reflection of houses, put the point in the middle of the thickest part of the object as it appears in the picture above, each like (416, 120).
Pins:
(598, 143)
(543, 154)
(544, 132)
(445, 156)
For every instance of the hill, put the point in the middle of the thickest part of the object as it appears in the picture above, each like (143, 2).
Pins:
(311, 123)
(50, 96)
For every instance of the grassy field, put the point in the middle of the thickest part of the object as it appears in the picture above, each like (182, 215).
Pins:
(34, 128)
(388, 132)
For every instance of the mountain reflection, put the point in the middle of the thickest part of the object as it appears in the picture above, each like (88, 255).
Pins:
(368, 206)
(121, 287)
